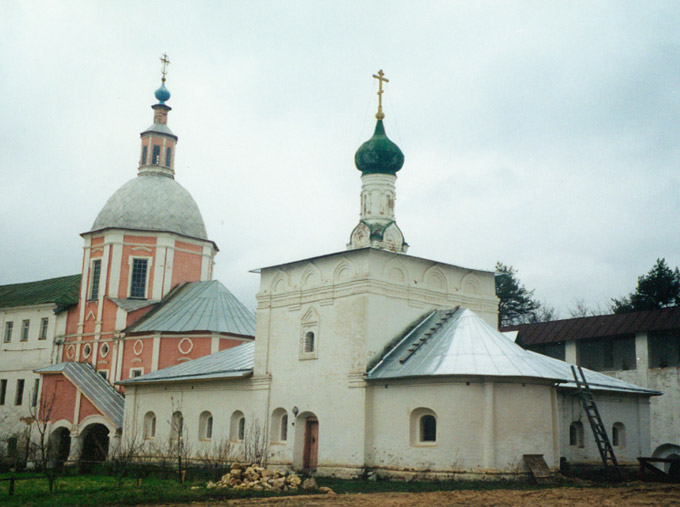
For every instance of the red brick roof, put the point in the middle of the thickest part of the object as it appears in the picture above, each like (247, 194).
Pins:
(664, 319)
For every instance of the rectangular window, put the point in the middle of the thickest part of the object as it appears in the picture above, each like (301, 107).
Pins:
(95, 273)
(24, 330)
(19, 396)
(43, 329)
(136, 372)
(156, 157)
(168, 155)
(3, 391)
(144, 153)
(36, 391)
(9, 326)
(103, 374)
(138, 279)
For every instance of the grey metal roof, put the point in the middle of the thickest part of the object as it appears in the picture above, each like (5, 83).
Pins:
(130, 305)
(161, 128)
(107, 400)
(230, 363)
(458, 342)
(198, 306)
(152, 202)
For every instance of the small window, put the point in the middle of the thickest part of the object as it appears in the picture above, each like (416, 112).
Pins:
(428, 428)
(205, 426)
(35, 393)
(25, 325)
(279, 426)
(95, 273)
(3, 391)
(136, 372)
(103, 374)
(138, 279)
(168, 157)
(43, 329)
(9, 326)
(284, 428)
(149, 425)
(309, 341)
(619, 435)
(19, 396)
(144, 154)
(576, 434)
(156, 157)
(177, 426)
(87, 350)
(242, 429)
(104, 350)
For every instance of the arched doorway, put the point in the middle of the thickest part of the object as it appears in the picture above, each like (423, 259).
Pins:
(95, 444)
(306, 452)
(59, 446)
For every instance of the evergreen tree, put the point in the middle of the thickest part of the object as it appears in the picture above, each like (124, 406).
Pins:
(657, 289)
(516, 305)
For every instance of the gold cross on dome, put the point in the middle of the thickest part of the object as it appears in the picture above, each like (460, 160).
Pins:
(381, 78)
(164, 60)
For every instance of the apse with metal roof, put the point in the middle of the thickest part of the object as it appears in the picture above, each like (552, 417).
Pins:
(154, 201)
(378, 159)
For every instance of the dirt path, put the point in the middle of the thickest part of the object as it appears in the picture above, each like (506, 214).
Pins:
(637, 494)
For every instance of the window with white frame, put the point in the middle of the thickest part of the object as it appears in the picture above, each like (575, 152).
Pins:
(25, 325)
(309, 335)
(279, 427)
(136, 372)
(43, 328)
(149, 425)
(103, 374)
(9, 327)
(205, 426)
(95, 273)
(237, 429)
(619, 435)
(176, 426)
(423, 427)
(138, 278)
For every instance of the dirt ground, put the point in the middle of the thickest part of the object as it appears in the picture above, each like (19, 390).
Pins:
(637, 494)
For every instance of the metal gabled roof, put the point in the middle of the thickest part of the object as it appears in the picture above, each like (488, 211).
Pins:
(458, 342)
(230, 363)
(62, 291)
(198, 306)
(82, 375)
(130, 305)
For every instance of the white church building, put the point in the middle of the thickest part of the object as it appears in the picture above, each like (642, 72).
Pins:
(371, 359)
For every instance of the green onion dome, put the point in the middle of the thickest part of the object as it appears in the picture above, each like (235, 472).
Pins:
(379, 154)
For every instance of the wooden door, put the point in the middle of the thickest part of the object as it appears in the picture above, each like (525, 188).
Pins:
(311, 450)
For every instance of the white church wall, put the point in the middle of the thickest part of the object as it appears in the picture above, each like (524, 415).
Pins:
(630, 411)
(483, 428)
(222, 398)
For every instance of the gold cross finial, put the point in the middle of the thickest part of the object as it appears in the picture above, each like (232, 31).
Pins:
(380, 77)
(164, 60)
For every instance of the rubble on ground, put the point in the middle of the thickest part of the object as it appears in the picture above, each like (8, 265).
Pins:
(251, 476)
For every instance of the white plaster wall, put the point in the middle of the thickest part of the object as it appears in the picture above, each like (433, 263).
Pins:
(221, 397)
(630, 410)
(483, 428)
(19, 358)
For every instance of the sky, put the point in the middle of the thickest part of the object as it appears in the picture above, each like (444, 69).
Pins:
(541, 134)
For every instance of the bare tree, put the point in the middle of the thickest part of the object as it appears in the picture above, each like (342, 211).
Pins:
(123, 456)
(178, 445)
(256, 444)
(581, 309)
(44, 453)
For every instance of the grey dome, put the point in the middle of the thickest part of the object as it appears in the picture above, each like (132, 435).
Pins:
(152, 202)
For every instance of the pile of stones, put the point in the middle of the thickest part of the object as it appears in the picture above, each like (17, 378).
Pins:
(257, 478)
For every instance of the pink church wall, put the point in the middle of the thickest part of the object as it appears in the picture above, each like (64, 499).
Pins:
(186, 266)
(53, 385)
(125, 262)
(86, 409)
(129, 354)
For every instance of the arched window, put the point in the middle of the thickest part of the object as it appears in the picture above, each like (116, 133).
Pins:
(576, 434)
(205, 426)
(176, 426)
(428, 428)
(279, 426)
(423, 427)
(237, 429)
(619, 435)
(149, 425)
(309, 341)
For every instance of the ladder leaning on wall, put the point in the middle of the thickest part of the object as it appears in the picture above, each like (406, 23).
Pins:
(599, 431)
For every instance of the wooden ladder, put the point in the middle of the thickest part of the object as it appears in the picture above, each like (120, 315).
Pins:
(599, 431)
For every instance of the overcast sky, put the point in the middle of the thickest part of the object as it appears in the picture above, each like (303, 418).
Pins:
(541, 134)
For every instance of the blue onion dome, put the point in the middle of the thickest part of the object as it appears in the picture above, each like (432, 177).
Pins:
(162, 94)
(379, 154)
